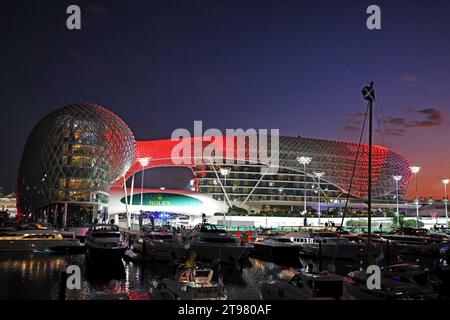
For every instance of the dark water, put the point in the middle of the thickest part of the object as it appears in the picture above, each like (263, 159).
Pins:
(37, 276)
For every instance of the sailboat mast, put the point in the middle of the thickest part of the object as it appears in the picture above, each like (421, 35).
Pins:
(369, 94)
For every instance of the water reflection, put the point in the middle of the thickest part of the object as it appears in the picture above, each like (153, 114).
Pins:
(29, 275)
(37, 275)
(103, 272)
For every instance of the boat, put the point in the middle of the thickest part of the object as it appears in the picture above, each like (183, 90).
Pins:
(38, 240)
(306, 286)
(439, 231)
(327, 244)
(277, 248)
(417, 242)
(105, 241)
(159, 245)
(264, 234)
(381, 246)
(192, 281)
(210, 243)
(398, 282)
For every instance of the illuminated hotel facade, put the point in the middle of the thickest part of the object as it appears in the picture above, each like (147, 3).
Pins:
(331, 174)
(77, 158)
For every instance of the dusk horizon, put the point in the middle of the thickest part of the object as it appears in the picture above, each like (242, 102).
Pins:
(297, 66)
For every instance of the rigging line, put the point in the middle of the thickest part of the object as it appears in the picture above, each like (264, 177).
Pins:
(351, 182)
(378, 105)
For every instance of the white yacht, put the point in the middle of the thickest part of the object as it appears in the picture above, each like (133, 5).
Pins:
(191, 284)
(106, 241)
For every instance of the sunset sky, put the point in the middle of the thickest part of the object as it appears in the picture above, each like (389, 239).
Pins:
(294, 65)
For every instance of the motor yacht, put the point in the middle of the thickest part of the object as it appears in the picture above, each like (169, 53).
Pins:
(210, 243)
(192, 281)
(38, 240)
(327, 244)
(160, 245)
(264, 234)
(417, 242)
(306, 286)
(277, 248)
(105, 240)
(398, 282)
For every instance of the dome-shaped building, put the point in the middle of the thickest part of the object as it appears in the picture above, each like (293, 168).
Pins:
(69, 162)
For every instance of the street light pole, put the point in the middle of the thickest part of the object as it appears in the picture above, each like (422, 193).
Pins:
(304, 161)
(397, 179)
(143, 162)
(224, 172)
(445, 182)
(415, 170)
(318, 175)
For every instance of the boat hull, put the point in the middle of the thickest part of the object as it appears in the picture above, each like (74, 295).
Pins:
(163, 251)
(96, 252)
(277, 253)
(40, 245)
(348, 252)
(225, 252)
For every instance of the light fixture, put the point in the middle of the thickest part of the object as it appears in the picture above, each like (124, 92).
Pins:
(304, 160)
(224, 171)
(414, 169)
(144, 161)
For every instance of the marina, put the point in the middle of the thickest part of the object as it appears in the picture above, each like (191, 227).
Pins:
(289, 269)
(192, 154)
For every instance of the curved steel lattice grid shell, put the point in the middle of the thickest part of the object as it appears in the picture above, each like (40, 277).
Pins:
(335, 158)
(72, 152)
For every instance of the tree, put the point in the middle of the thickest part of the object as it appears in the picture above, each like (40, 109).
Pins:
(236, 211)
(405, 223)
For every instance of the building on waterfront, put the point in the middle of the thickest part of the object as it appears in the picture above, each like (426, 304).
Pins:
(248, 186)
(77, 158)
(69, 162)
(8, 204)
